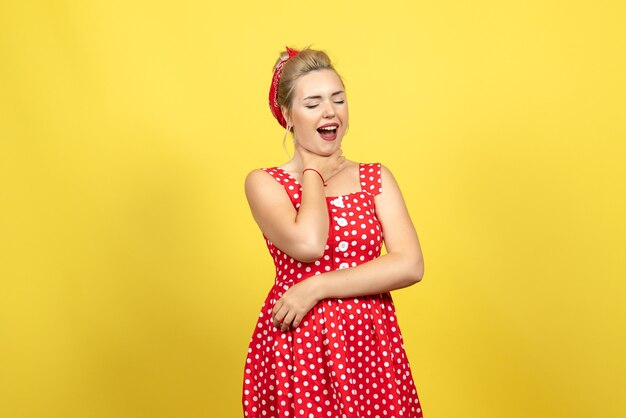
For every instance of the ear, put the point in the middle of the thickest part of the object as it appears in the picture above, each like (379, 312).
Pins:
(285, 113)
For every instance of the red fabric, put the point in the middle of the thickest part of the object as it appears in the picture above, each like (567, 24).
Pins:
(273, 98)
(346, 359)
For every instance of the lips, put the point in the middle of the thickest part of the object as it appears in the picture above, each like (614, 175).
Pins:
(328, 132)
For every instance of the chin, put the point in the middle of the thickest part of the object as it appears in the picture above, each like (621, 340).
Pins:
(321, 147)
(328, 148)
(330, 145)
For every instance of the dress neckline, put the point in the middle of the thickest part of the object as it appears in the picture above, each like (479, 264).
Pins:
(327, 197)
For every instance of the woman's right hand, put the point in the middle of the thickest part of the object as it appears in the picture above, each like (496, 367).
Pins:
(327, 166)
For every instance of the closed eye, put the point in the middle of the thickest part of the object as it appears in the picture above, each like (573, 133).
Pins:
(314, 106)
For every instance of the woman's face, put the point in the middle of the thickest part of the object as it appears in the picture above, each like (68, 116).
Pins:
(319, 101)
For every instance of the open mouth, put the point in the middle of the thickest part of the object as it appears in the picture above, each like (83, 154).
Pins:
(328, 133)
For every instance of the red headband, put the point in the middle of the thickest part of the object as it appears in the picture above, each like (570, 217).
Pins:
(274, 107)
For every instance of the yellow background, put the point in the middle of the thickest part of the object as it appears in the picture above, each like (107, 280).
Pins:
(131, 272)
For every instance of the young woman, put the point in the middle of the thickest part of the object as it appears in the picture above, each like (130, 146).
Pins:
(327, 341)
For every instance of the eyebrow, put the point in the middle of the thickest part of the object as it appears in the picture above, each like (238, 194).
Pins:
(319, 97)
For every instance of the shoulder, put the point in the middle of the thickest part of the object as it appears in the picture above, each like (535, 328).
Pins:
(260, 178)
(386, 174)
(374, 170)
(257, 174)
(388, 180)
(376, 177)
(265, 190)
(377, 172)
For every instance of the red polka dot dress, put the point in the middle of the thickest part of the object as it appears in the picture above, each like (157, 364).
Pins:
(346, 359)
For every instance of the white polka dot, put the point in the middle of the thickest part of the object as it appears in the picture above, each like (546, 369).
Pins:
(354, 341)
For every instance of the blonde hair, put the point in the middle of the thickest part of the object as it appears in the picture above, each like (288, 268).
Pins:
(304, 62)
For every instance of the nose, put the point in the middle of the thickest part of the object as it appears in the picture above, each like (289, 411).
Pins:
(329, 110)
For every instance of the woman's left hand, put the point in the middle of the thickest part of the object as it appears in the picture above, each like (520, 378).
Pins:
(295, 303)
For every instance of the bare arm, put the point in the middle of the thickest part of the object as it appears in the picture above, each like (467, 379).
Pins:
(402, 266)
(302, 233)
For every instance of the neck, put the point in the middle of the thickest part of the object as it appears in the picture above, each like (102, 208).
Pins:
(296, 164)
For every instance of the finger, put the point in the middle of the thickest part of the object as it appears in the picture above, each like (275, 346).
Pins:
(296, 321)
(280, 315)
(278, 318)
(286, 322)
(277, 305)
